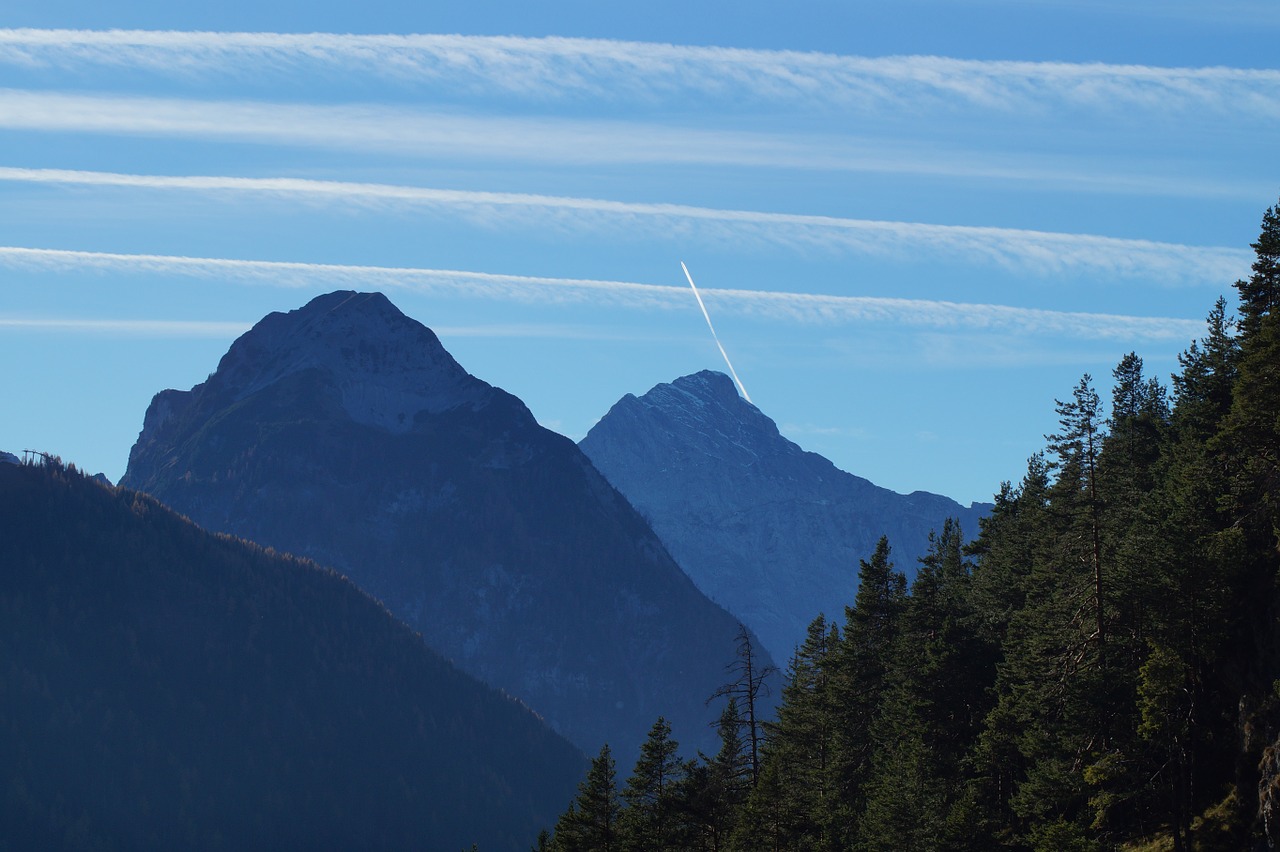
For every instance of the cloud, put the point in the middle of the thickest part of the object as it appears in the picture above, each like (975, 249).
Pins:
(774, 306)
(597, 69)
(417, 133)
(130, 327)
(1025, 251)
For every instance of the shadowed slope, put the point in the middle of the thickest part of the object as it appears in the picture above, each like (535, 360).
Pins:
(162, 687)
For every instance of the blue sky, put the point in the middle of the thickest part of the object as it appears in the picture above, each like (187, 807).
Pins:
(914, 224)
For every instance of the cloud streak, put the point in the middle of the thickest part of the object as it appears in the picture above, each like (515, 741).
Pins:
(774, 306)
(421, 134)
(597, 69)
(1026, 251)
(129, 327)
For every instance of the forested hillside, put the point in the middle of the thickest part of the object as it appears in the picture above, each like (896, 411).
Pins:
(1099, 670)
(165, 688)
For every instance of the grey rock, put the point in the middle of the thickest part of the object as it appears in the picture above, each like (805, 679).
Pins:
(769, 531)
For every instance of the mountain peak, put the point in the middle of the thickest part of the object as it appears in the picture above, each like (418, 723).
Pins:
(386, 367)
(705, 386)
(710, 382)
(700, 415)
(772, 532)
(495, 538)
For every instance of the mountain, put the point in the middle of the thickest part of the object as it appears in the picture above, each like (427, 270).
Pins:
(769, 531)
(343, 431)
(165, 688)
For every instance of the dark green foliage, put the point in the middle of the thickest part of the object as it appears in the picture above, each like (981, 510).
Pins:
(919, 792)
(715, 790)
(1260, 294)
(801, 746)
(861, 666)
(1100, 670)
(165, 688)
(654, 819)
(592, 822)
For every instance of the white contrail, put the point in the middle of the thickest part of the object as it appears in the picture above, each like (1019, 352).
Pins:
(132, 327)
(714, 336)
(772, 306)
(577, 68)
(422, 133)
(1038, 253)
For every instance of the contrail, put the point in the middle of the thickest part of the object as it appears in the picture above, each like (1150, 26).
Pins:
(768, 305)
(714, 336)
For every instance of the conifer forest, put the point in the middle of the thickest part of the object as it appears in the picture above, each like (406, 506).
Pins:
(1098, 670)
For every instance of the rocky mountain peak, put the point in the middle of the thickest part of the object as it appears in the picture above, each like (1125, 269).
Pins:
(386, 367)
(699, 417)
(770, 531)
(342, 431)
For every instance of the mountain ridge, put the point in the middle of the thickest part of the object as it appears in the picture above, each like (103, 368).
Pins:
(767, 529)
(495, 538)
(166, 687)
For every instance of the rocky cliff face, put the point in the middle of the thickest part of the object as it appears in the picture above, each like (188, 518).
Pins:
(769, 531)
(344, 432)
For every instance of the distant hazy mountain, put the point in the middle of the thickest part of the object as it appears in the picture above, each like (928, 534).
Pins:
(771, 532)
(345, 432)
(165, 688)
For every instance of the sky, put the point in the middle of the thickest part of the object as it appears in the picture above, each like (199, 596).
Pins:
(914, 224)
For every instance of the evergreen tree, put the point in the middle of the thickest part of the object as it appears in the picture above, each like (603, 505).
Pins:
(1189, 685)
(932, 709)
(1128, 469)
(1076, 449)
(1260, 294)
(1202, 389)
(860, 665)
(1016, 541)
(749, 684)
(716, 790)
(1054, 718)
(1248, 446)
(1099, 677)
(1011, 539)
(905, 804)
(801, 743)
(591, 822)
(652, 820)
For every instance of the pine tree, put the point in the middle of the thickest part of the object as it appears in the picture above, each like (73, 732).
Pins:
(1054, 718)
(1076, 449)
(1260, 294)
(750, 682)
(919, 793)
(591, 822)
(800, 745)
(860, 665)
(1011, 539)
(905, 807)
(1202, 389)
(1248, 445)
(1130, 464)
(652, 820)
(1190, 682)
(1017, 539)
(716, 791)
